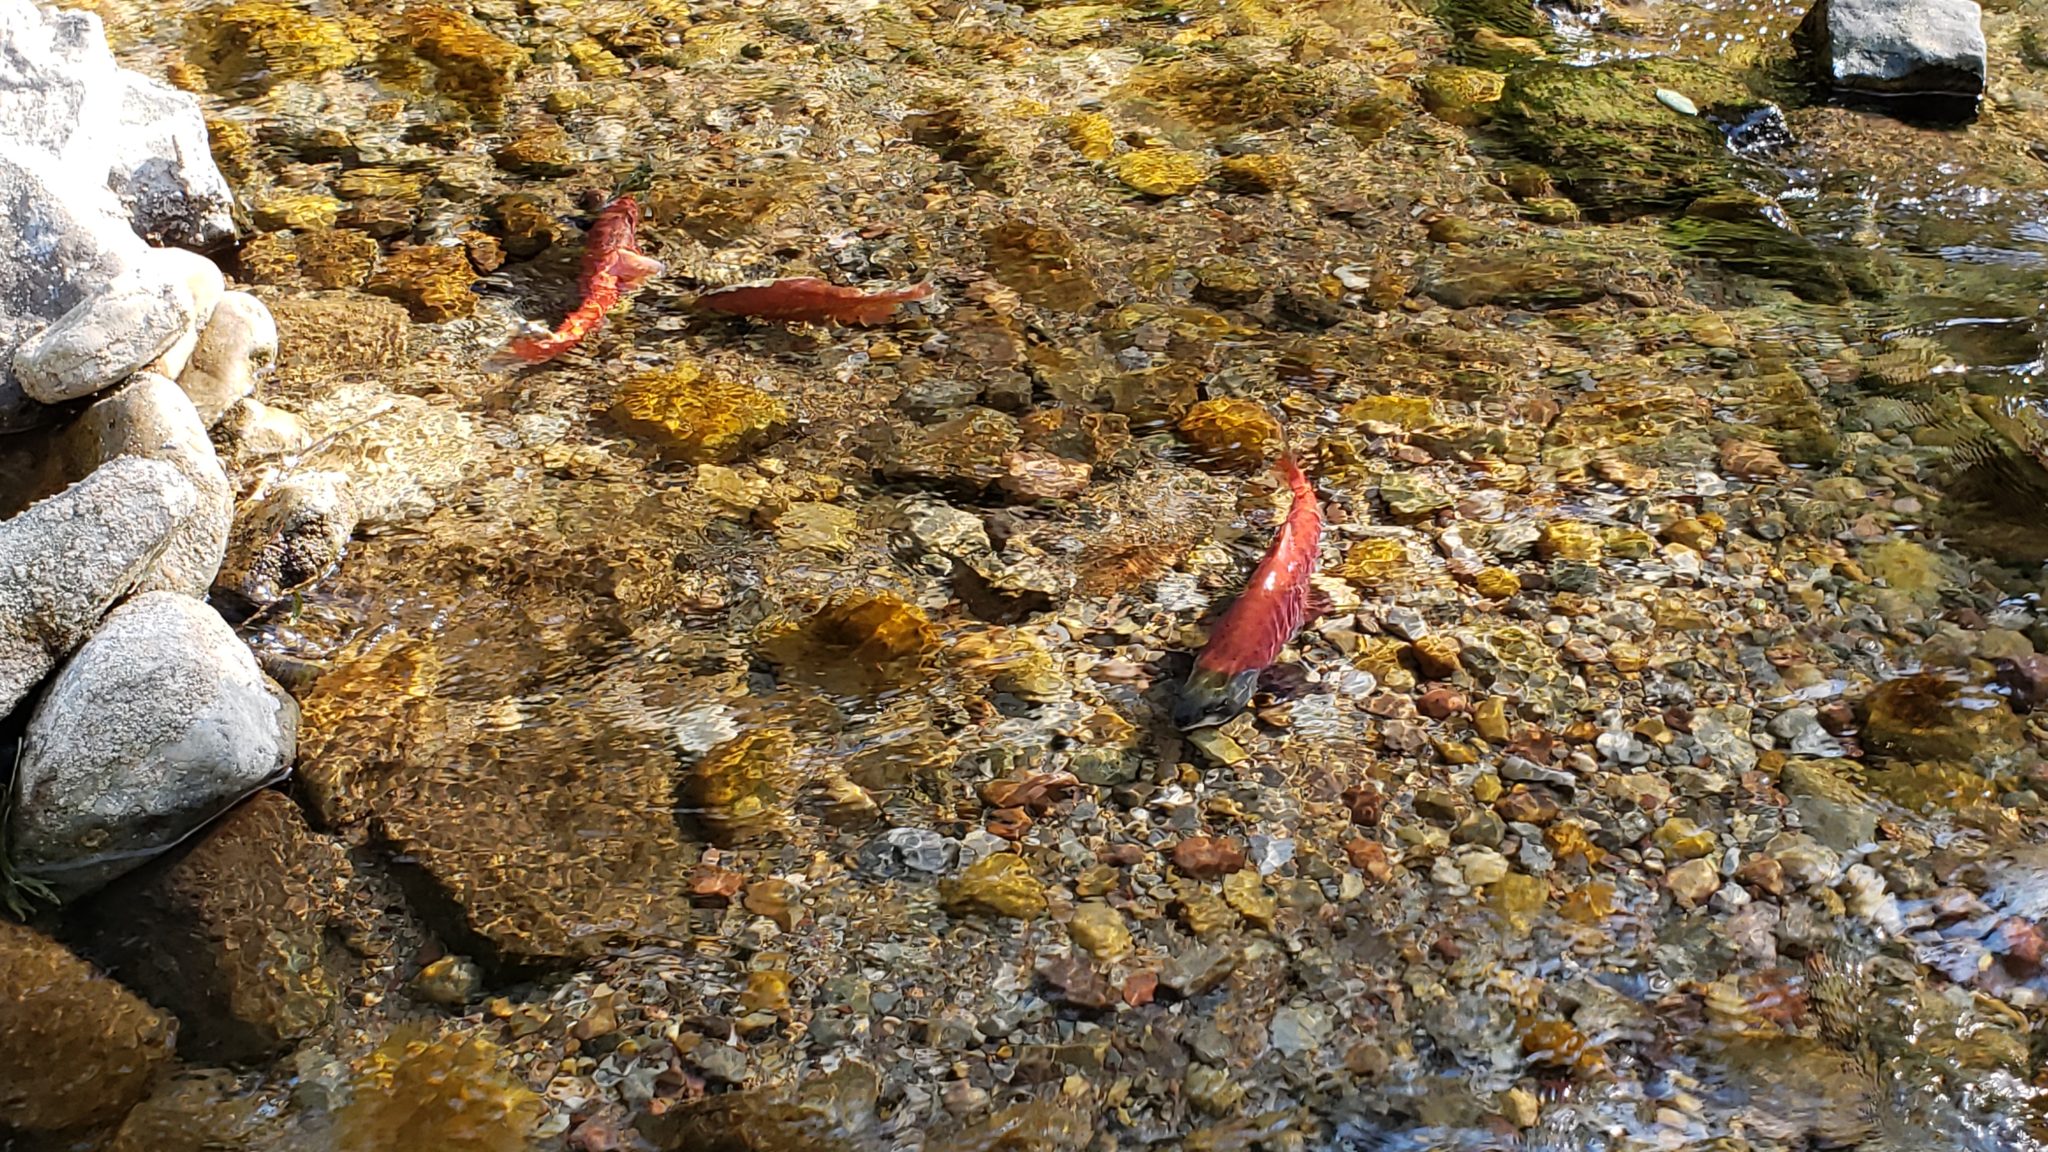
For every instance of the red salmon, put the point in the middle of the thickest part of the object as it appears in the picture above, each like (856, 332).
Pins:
(1263, 618)
(613, 265)
(809, 299)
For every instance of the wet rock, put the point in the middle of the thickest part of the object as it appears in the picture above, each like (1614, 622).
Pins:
(1008, 593)
(238, 344)
(70, 557)
(862, 640)
(940, 528)
(1100, 929)
(1299, 1030)
(1198, 970)
(472, 64)
(743, 787)
(1234, 433)
(159, 723)
(324, 335)
(820, 527)
(1930, 50)
(252, 430)
(151, 417)
(1042, 477)
(1075, 982)
(431, 280)
(198, 1111)
(261, 42)
(970, 452)
(451, 982)
(1929, 717)
(1042, 264)
(451, 1092)
(1207, 857)
(294, 537)
(105, 339)
(1796, 1089)
(1724, 733)
(1693, 882)
(1463, 96)
(1611, 146)
(229, 934)
(695, 416)
(1159, 171)
(75, 1047)
(114, 129)
(999, 885)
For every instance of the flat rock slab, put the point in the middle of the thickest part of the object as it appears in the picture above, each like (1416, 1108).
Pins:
(159, 723)
(75, 1047)
(67, 559)
(1929, 48)
(228, 933)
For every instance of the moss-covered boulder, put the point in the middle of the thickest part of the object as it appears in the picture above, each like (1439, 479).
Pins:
(1607, 140)
(1746, 232)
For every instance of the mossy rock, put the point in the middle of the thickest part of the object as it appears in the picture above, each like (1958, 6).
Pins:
(1506, 17)
(1610, 144)
(1756, 246)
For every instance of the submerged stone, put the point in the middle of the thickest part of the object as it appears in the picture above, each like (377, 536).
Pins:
(1609, 143)
(998, 885)
(453, 1093)
(1931, 718)
(75, 1047)
(862, 639)
(743, 787)
(1234, 433)
(692, 415)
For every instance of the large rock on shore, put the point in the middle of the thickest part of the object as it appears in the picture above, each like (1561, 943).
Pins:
(75, 1047)
(160, 722)
(63, 94)
(152, 417)
(67, 559)
(1899, 48)
(229, 933)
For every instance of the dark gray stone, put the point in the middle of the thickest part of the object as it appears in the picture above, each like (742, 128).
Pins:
(1919, 48)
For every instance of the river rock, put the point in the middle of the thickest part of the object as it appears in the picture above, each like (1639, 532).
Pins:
(1927, 48)
(252, 430)
(63, 94)
(293, 537)
(228, 934)
(152, 417)
(67, 559)
(159, 723)
(75, 1047)
(80, 244)
(238, 343)
(107, 338)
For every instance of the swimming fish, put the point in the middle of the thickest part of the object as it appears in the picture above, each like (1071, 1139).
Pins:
(807, 298)
(613, 265)
(1263, 618)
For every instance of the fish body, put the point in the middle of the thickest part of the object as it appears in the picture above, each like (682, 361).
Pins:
(810, 300)
(1264, 617)
(613, 266)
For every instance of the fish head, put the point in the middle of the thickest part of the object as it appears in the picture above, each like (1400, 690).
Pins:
(1211, 697)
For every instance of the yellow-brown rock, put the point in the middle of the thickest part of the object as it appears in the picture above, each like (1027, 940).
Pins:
(298, 210)
(860, 640)
(75, 1047)
(266, 41)
(1374, 562)
(336, 257)
(1092, 135)
(691, 415)
(431, 280)
(1496, 583)
(454, 1094)
(1160, 171)
(1570, 540)
(1258, 172)
(743, 787)
(474, 63)
(998, 885)
(1463, 96)
(1234, 433)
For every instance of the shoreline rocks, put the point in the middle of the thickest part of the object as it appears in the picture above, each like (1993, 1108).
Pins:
(1929, 54)
(159, 723)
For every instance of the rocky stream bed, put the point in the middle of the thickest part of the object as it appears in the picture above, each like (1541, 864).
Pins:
(754, 736)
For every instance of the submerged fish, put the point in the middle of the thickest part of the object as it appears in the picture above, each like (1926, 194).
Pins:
(613, 265)
(809, 299)
(1263, 618)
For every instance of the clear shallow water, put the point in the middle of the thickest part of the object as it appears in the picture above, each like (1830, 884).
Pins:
(700, 763)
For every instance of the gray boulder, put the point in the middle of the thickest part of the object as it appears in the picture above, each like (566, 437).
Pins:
(1920, 48)
(62, 93)
(67, 559)
(158, 724)
(153, 418)
(109, 337)
(60, 245)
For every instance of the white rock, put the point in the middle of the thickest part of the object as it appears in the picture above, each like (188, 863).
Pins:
(158, 724)
(151, 417)
(67, 559)
(238, 344)
(203, 281)
(62, 93)
(107, 338)
(293, 538)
